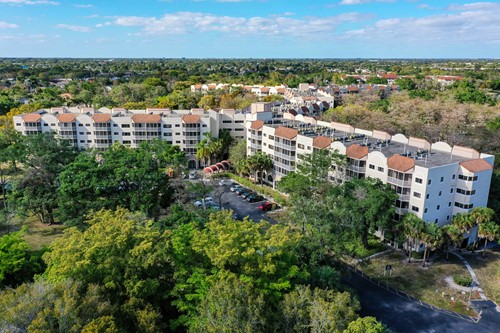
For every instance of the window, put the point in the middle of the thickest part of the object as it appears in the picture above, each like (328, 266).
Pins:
(167, 134)
(442, 179)
(449, 204)
(436, 221)
(126, 142)
(440, 193)
(414, 208)
(451, 190)
(417, 194)
(177, 133)
(126, 133)
(167, 125)
(271, 137)
(82, 141)
(463, 206)
(125, 125)
(81, 133)
(48, 124)
(426, 196)
(115, 125)
(429, 182)
(448, 218)
(371, 166)
(467, 178)
(300, 145)
(239, 129)
(78, 125)
(177, 125)
(204, 125)
(466, 192)
(418, 180)
(380, 169)
(438, 207)
(116, 133)
(178, 141)
(239, 121)
(227, 121)
(425, 210)
(453, 177)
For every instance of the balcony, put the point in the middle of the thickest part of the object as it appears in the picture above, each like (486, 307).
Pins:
(399, 182)
(284, 146)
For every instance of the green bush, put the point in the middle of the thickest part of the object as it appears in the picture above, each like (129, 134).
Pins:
(417, 255)
(278, 197)
(461, 280)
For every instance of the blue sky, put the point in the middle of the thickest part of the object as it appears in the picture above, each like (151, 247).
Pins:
(250, 28)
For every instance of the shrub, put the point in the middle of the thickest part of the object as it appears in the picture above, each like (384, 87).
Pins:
(461, 280)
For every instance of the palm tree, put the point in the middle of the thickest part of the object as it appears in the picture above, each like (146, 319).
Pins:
(489, 231)
(413, 227)
(260, 162)
(432, 237)
(463, 222)
(479, 216)
(452, 236)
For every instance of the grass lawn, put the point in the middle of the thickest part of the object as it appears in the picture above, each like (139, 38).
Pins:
(488, 272)
(426, 284)
(39, 235)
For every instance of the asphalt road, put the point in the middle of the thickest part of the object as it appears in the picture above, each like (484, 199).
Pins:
(404, 316)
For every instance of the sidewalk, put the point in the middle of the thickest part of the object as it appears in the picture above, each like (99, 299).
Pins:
(475, 282)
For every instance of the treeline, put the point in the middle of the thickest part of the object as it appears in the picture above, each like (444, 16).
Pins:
(139, 257)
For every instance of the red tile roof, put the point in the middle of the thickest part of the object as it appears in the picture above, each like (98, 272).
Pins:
(292, 111)
(101, 118)
(32, 118)
(400, 163)
(321, 142)
(356, 151)
(477, 165)
(256, 125)
(190, 119)
(264, 89)
(146, 118)
(67, 118)
(286, 132)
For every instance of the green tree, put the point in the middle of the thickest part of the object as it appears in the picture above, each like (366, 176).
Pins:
(207, 102)
(406, 84)
(232, 305)
(413, 227)
(121, 253)
(55, 307)
(366, 205)
(259, 162)
(365, 325)
(238, 156)
(306, 310)
(11, 146)
(452, 236)
(36, 193)
(432, 238)
(489, 231)
(478, 216)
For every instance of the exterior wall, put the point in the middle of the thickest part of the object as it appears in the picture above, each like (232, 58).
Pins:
(440, 185)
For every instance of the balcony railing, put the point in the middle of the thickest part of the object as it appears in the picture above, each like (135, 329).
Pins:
(399, 182)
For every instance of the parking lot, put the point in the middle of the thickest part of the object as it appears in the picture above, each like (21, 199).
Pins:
(242, 208)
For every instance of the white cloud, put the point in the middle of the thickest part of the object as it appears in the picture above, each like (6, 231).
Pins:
(6, 25)
(193, 22)
(77, 28)
(476, 26)
(82, 5)
(29, 2)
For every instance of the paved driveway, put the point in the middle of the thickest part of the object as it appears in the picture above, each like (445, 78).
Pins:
(402, 315)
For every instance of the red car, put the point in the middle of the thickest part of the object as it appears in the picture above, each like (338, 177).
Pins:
(268, 206)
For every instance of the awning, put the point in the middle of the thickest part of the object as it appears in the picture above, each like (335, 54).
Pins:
(207, 170)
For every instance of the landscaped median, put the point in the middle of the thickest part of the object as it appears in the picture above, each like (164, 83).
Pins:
(427, 284)
(278, 197)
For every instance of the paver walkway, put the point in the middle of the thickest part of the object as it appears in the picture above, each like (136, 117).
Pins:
(475, 282)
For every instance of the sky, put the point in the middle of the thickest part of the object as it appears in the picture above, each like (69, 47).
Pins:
(250, 29)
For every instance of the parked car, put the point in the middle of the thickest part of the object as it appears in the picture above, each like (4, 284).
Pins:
(247, 194)
(214, 206)
(268, 206)
(208, 201)
(254, 198)
(241, 190)
(235, 187)
(225, 182)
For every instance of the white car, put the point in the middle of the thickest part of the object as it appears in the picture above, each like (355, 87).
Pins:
(193, 175)
(208, 201)
(225, 182)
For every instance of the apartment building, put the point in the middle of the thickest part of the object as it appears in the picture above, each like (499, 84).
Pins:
(100, 128)
(435, 181)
